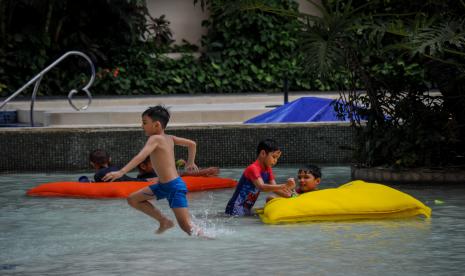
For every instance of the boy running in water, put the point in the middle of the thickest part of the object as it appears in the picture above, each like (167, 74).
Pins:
(160, 148)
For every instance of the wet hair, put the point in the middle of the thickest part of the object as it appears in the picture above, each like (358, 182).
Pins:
(146, 161)
(311, 169)
(268, 145)
(99, 157)
(158, 113)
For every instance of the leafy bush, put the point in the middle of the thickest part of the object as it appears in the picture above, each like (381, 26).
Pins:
(34, 33)
(251, 50)
(391, 49)
(245, 51)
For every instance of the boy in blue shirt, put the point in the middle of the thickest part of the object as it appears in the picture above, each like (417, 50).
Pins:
(146, 170)
(100, 160)
(147, 173)
(258, 177)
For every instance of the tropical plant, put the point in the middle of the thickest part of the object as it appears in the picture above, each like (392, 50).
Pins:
(396, 52)
(249, 50)
(122, 38)
(160, 32)
(34, 33)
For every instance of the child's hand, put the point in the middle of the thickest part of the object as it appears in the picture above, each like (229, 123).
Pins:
(192, 167)
(212, 171)
(290, 183)
(286, 190)
(112, 176)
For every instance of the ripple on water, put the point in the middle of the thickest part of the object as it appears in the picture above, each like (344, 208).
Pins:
(64, 236)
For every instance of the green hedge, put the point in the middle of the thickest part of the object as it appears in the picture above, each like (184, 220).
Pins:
(245, 51)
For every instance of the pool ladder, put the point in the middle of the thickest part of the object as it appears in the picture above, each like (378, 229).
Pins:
(38, 78)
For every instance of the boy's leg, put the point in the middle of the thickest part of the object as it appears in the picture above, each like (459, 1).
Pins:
(184, 220)
(140, 201)
(211, 171)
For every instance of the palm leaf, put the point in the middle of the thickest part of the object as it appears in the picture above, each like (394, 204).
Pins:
(440, 37)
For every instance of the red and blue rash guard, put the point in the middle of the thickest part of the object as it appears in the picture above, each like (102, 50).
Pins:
(246, 192)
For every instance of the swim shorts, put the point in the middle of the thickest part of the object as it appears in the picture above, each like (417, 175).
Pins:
(174, 191)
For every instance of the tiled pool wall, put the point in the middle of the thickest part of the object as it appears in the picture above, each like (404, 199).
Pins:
(67, 149)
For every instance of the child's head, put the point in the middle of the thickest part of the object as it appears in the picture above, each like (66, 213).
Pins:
(309, 178)
(268, 152)
(153, 116)
(99, 159)
(145, 166)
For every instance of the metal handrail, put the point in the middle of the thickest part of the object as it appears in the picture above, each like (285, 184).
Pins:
(71, 93)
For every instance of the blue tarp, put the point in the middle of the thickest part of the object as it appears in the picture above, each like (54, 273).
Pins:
(305, 109)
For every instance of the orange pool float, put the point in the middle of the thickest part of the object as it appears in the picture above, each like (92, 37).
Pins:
(121, 189)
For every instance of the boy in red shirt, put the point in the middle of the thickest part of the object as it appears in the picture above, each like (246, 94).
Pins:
(258, 177)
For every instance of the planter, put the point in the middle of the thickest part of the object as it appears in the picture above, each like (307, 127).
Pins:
(409, 176)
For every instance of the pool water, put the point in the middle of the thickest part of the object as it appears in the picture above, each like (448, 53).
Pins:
(67, 236)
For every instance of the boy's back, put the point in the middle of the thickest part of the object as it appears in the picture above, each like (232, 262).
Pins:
(162, 157)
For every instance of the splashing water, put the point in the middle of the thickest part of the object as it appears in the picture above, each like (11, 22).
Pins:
(211, 228)
(210, 223)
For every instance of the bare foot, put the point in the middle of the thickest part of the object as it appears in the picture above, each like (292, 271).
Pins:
(164, 225)
(198, 232)
(205, 237)
(210, 171)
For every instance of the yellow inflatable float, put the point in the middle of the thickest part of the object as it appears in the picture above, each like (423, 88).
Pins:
(354, 200)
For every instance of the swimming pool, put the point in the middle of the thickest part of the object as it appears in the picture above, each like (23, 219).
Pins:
(66, 236)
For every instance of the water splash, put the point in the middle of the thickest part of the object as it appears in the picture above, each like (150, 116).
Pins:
(209, 222)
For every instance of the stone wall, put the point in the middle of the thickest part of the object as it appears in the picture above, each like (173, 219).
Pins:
(67, 149)
(423, 176)
(186, 18)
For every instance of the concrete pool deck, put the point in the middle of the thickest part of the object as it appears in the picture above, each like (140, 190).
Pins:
(186, 110)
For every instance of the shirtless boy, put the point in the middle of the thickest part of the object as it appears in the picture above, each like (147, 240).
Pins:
(160, 148)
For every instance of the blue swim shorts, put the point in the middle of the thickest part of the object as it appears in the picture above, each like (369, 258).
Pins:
(174, 191)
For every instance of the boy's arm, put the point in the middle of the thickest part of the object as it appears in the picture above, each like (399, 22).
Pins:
(139, 158)
(290, 185)
(191, 149)
(272, 187)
